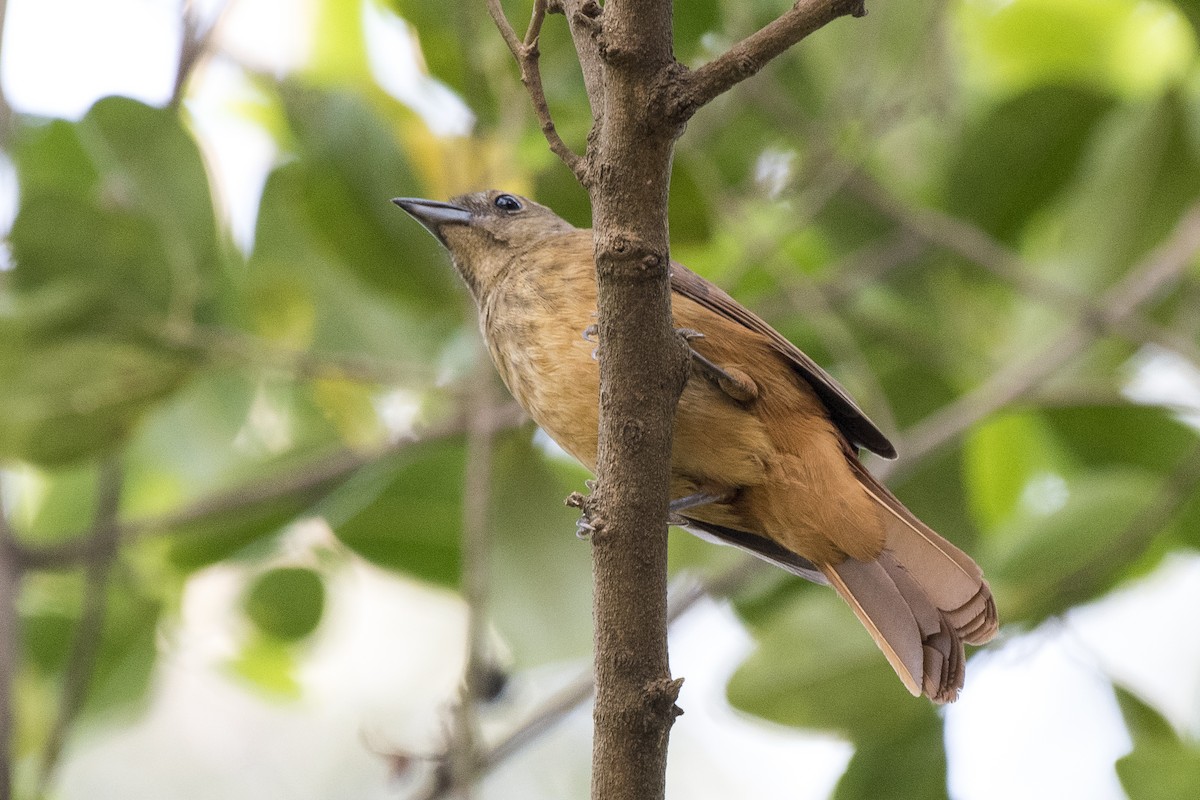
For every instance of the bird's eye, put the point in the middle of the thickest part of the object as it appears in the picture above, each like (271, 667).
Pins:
(506, 202)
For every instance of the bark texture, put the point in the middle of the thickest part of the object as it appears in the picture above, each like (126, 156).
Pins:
(643, 368)
(641, 98)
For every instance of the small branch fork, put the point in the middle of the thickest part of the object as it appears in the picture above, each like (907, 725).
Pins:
(680, 92)
(527, 54)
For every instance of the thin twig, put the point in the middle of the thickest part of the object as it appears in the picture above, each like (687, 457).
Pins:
(1141, 284)
(579, 690)
(527, 56)
(693, 90)
(195, 47)
(10, 591)
(308, 479)
(585, 21)
(89, 631)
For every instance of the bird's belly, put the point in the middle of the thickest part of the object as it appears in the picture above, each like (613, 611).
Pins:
(718, 444)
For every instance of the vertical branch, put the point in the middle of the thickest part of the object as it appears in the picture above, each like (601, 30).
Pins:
(10, 588)
(464, 751)
(643, 368)
(90, 629)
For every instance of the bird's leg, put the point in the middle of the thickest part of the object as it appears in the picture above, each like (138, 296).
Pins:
(693, 500)
(589, 334)
(587, 525)
(739, 386)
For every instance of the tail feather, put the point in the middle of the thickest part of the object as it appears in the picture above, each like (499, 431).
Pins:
(921, 599)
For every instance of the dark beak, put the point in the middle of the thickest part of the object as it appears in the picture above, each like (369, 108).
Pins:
(433, 214)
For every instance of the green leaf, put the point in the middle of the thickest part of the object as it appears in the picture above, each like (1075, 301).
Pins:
(1001, 457)
(406, 514)
(911, 764)
(269, 665)
(286, 603)
(1043, 563)
(817, 667)
(118, 202)
(692, 21)
(62, 400)
(1126, 434)
(1015, 158)
(1162, 766)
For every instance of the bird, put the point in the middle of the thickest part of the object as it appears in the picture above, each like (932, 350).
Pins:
(765, 454)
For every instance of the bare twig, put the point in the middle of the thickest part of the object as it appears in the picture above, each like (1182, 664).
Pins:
(527, 54)
(310, 478)
(90, 628)
(558, 705)
(196, 46)
(1141, 284)
(695, 89)
(585, 21)
(10, 589)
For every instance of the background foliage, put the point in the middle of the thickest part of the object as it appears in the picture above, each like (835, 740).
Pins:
(936, 202)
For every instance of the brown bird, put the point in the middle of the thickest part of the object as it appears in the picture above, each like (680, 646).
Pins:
(765, 450)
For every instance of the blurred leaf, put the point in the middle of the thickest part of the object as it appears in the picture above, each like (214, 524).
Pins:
(911, 764)
(115, 235)
(1050, 558)
(816, 667)
(129, 649)
(286, 603)
(1161, 765)
(460, 46)
(692, 21)
(406, 513)
(1002, 456)
(1115, 45)
(542, 573)
(268, 664)
(690, 216)
(119, 205)
(65, 399)
(1147, 437)
(340, 51)
(335, 264)
(1019, 155)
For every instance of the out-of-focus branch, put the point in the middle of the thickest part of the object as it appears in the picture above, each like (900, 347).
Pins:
(195, 46)
(90, 628)
(310, 478)
(223, 344)
(579, 690)
(10, 590)
(476, 574)
(972, 243)
(527, 56)
(692, 90)
(1140, 285)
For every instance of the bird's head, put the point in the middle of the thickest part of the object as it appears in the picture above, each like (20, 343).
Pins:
(485, 231)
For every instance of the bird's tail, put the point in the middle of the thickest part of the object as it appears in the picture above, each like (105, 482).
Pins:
(921, 599)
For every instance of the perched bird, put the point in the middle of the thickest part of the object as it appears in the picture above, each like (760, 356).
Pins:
(765, 442)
